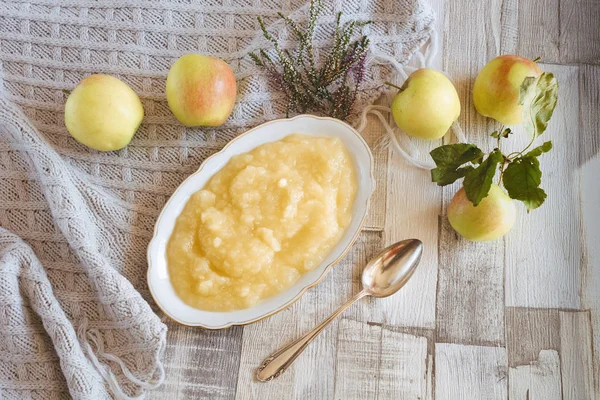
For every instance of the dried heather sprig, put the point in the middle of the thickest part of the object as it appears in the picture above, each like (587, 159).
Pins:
(332, 86)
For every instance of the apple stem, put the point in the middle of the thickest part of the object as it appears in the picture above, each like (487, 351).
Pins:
(537, 59)
(392, 85)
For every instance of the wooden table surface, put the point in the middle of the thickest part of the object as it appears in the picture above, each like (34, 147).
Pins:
(517, 318)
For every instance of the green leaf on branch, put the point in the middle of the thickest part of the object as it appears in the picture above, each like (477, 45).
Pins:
(538, 96)
(448, 160)
(522, 179)
(477, 182)
(503, 134)
(446, 177)
(538, 151)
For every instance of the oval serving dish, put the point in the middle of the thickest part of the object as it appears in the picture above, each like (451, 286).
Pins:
(158, 275)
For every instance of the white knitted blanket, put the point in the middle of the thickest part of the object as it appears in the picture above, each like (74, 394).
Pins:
(75, 313)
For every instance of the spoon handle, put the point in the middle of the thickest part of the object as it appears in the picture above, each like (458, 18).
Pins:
(278, 362)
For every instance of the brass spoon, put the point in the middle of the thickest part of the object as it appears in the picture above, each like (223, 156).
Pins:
(383, 276)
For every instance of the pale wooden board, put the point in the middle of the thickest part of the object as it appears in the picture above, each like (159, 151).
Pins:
(376, 363)
(543, 264)
(579, 34)
(470, 292)
(470, 372)
(373, 134)
(540, 380)
(195, 361)
(576, 355)
(412, 214)
(590, 201)
(470, 280)
(533, 342)
(312, 373)
(315, 376)
(539, 23)
(560, 31)
(407, 204)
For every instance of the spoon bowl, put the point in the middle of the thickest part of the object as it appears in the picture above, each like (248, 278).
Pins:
(389, 271)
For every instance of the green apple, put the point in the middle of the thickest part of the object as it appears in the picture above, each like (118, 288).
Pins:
(489, 220)
(103, 113)
(201, 90)
(496, 88)
(427, 105)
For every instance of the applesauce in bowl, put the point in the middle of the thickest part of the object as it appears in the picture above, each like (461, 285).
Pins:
(159, 277)
(264, 219)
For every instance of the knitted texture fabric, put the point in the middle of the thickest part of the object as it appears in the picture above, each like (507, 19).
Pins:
(76, 317)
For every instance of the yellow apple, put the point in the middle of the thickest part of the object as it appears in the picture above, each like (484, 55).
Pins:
(496, 88)
(427, 105)
(489, 220)
(200, 90)
(103, 113)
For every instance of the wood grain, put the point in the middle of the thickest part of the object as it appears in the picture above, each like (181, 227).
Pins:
(543, 264)
(373, 135)
(315, 368)
(470, 372)
(539, 380)
(533, 343)
(195, 360)
(311, 375)
(470, 290)
(451, 317)
(560, 31)
(470, 279)
(589, 161)
(377, 363)
(529, 331)
(539, 23)
(576, 355)
(579, 34)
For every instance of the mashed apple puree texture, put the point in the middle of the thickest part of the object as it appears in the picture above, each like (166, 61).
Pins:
(267, 217)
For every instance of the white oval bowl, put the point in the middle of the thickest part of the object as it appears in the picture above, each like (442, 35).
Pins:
(158, 275)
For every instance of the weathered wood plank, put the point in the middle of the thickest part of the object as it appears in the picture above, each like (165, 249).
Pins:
(529, 331)
(579, 34)
(532, 343)
(412, 213)
(376, 363)
(560, 31)
(196, 363)
(539, 24)
(373, 134)
(576, 355)
(357, 362)
(543, 264)
(259, 341)
(308, 376)
(540, 380)
(470, 278)
(589, 166)
(403, 371)
(589, 104)
(470, 292)
(314, 370)
(470, 372)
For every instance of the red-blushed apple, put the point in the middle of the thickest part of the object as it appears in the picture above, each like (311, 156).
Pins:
(426, 105)
(103, 113)
(200, 90)
(496, 88)
(492, 218)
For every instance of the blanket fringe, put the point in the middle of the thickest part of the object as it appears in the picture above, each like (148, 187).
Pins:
(90, 336)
